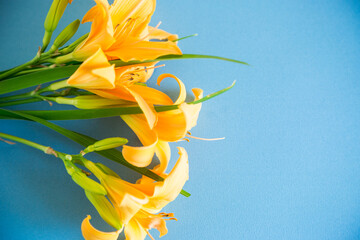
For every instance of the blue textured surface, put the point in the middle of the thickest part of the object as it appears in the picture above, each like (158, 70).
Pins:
(290, 165)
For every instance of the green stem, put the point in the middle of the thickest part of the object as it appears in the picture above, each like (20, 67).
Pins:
(19, 68)
(40, 147)
(15, 97)
(18, 102)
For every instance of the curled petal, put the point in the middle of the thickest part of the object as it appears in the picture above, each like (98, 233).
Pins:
(152, 95)
(91, 233)
(170, 188)
(139, 156)
(163, 153)
(182, 94)
(191, 111)
(147, 108)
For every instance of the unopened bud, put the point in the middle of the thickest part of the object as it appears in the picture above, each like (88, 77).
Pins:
(52, 19)
(82, 180)
(95, 102)
(65, 35)
(106, 143)
(105, 209)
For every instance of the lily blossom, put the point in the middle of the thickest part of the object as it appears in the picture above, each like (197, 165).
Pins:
(139, 204)
(121, 30)
(97, 75)
(171, 126)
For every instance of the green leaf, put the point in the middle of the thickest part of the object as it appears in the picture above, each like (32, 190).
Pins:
(84, 140)
(82, 113)
(34, 79)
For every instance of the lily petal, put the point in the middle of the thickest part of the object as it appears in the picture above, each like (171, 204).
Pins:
(139, 156)
(171, 125)
(143, 50)
(182, 93)
(134, 231)
(170, 188)
(159, 34)
(126, 199)
(91, 233)
(94, 73)
(191, 111)
(101, 32)
(147, 108)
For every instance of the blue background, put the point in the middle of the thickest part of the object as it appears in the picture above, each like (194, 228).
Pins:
(290, 165)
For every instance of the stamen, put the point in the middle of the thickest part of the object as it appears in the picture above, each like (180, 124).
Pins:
(205, 139)
(184, 139)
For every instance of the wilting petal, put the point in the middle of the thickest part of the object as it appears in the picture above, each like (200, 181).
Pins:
(155, 33)
(182, 93)
(90, 233)
(95, 73)
(134, 231)
(191, 111)
(143, 50)
(170, 188)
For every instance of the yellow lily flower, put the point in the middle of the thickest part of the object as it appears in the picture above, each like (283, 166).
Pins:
(138, 204)
(97, 75)
(171, 126)
(121, 30)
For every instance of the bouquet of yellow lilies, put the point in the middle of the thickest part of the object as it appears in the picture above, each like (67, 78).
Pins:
(106, 73)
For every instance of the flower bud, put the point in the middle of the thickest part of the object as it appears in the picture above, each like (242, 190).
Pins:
(65, 35)
(52, 19)
(106, 143)
(82, 180)
(105, 209)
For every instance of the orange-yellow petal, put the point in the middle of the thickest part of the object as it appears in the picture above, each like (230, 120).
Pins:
(155, 33)
(170, 188)
(163, 153)
(123, 10)
(138, 124)
(126, 199)
(94, 73)
(134, 231)
(143, 50)
(101, 32)
(147, 108)
(91, 233)
(191, 111)
(152, 95)
(182, 93)
(139, 156)
(171, 125)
